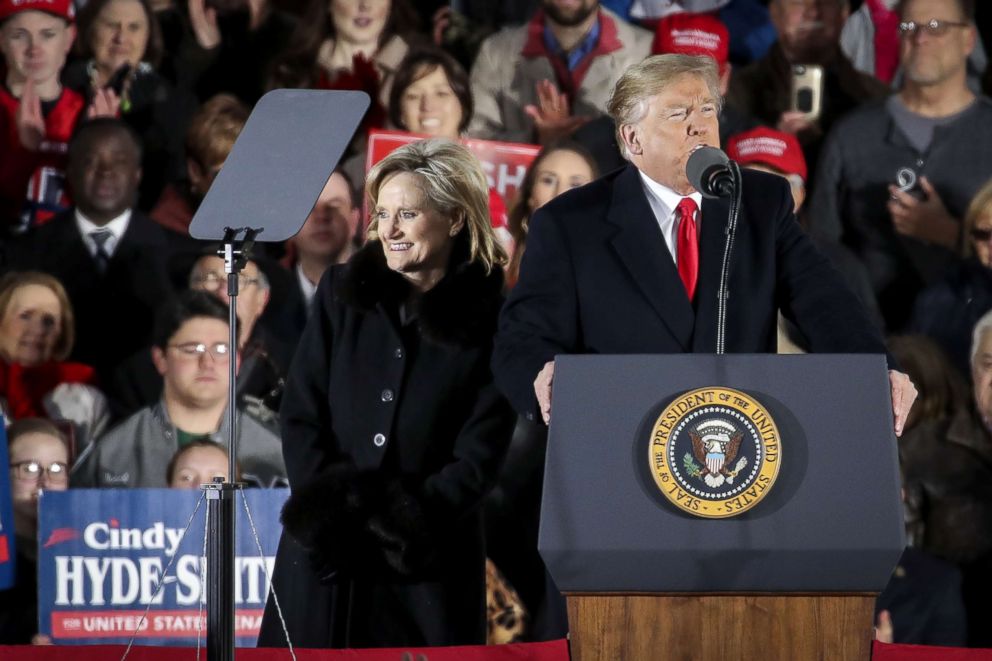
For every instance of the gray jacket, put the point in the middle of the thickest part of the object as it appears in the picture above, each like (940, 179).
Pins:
(137, 452)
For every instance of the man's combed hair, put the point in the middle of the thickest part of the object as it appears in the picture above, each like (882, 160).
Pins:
(629, 101)
(453, 183)
(188, 305)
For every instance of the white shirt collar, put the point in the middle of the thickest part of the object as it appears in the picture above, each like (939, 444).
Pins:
(117, 227)
(664, 201)
(308, 288)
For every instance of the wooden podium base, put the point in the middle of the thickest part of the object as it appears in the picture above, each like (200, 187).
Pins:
(737, 627)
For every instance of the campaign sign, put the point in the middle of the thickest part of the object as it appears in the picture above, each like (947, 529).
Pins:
(7, 554)
(103, 552)
(505, 163)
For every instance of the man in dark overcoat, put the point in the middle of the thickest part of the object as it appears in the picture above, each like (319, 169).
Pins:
(630, 263)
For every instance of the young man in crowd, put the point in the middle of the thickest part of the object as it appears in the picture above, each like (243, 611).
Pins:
(37, 114)
(193, 356)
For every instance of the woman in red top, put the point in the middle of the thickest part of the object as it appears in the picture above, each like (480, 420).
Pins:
(36, 337)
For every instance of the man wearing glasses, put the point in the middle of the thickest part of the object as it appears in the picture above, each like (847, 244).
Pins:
(895, 178)
(193, 356)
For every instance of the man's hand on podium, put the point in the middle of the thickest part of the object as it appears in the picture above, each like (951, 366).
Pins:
(903, 396)
(542, 388)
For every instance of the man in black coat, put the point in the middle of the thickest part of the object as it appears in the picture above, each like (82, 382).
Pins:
(110, 257)
(610, 268)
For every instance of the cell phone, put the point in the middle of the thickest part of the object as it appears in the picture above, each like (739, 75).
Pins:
(807, 90)
(908, 182)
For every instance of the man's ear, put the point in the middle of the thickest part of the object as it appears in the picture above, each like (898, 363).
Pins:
(631, 136)
(725, 78)
(158, 359)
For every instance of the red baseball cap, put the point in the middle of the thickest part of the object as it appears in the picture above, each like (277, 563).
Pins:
(769, 147)
(62, 8)
(693, 34)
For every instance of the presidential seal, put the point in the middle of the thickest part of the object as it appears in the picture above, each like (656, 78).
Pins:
(715, 452)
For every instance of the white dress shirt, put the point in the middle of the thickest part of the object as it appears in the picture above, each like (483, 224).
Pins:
(664, 203)
(308, 288)
(117, 227)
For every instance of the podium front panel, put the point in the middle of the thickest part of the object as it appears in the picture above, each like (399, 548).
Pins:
(831, 522)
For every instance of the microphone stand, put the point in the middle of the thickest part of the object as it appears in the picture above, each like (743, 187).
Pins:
(731, 230)
(221, 494)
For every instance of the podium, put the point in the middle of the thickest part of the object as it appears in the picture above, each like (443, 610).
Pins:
(794, 576)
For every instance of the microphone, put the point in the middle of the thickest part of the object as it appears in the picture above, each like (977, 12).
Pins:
(708, 170)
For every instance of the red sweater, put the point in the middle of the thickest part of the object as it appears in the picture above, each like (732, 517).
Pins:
(32, 184)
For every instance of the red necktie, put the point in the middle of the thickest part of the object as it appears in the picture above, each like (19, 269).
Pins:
(688, 245)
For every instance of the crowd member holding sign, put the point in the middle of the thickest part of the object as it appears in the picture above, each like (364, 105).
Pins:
(557, 168)
(38, 455)
(631, 262)
(393, 427)
(192, 354)
(431, 96)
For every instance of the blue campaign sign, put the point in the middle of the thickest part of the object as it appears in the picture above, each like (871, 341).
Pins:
(103, 552)
(7, 551)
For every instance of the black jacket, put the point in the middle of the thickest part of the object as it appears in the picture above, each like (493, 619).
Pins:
(948, 311)
(114, 310)
(392, 434)
(597, 277)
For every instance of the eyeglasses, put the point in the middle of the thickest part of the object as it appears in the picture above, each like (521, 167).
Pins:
(57, 471)
(212, 279)
(934, 27)
(981, 235)
(220, 350)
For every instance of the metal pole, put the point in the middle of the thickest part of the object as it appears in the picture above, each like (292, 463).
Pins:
(221, 494)
(232, 266)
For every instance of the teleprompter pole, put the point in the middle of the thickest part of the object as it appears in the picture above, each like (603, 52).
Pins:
(222, 494)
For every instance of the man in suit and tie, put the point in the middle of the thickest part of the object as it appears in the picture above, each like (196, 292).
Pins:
(631, 262)
(110, 257)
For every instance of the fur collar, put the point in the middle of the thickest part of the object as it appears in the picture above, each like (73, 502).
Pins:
(460, 310)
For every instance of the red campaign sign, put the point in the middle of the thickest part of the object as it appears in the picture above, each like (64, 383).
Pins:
(157, 624)
(505, 163)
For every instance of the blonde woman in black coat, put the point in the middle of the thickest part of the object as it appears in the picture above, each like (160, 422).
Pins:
(392, 428)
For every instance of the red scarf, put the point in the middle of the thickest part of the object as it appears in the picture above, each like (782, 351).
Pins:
(365, 78)
(25, 387)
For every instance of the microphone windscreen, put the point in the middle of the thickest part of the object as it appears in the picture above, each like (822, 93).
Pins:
(701, 164)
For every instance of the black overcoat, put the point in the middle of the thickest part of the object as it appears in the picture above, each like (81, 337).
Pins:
(597, 277)
(392, 433)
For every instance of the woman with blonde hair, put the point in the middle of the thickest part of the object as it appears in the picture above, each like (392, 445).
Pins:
(37, 332)
(392, 428)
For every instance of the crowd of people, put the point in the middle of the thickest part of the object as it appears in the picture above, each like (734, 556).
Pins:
(403, 454)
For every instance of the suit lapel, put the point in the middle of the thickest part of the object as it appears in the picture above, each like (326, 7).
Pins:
(712, 240)
(643, 252)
